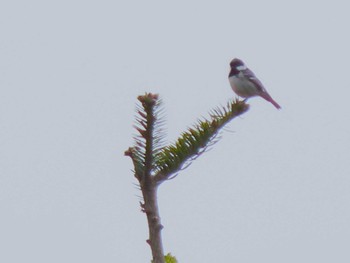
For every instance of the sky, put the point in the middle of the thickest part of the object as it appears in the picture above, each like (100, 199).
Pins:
(275, 188)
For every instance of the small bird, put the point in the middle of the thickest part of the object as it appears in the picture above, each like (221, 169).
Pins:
(245, 84)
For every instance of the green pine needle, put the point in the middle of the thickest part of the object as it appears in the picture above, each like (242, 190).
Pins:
(195, 140)
(152, 158)
(169, 259)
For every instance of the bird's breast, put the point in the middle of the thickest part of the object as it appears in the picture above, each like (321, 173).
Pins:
(242, 86)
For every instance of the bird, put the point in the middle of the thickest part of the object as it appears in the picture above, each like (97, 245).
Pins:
(245, 84)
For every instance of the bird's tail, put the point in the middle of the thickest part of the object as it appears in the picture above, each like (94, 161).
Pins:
(267, 97)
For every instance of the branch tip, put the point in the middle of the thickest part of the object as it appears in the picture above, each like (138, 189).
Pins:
(148, 99)
(129, 152)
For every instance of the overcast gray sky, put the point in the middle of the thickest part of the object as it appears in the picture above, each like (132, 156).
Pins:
(274, 189)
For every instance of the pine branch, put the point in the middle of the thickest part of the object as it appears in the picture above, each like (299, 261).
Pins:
(142, 155)
(195, 140)
(149, 139)
(153, 163)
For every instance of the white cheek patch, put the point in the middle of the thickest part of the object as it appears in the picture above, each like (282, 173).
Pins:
(243, 67)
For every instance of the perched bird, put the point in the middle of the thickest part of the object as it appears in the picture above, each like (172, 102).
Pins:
(245, 84)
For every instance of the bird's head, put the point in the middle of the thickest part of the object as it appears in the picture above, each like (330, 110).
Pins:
(237, 64)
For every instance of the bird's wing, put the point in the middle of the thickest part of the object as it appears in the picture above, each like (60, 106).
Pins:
(251, 76)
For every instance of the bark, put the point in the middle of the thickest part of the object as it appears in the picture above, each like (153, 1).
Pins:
(150, 207)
